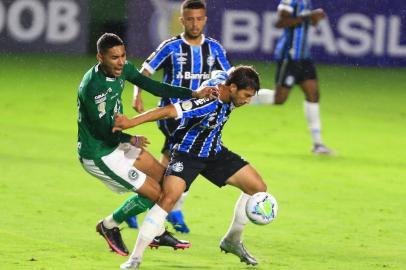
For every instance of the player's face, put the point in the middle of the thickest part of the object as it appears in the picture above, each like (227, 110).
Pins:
(193, 21)
(242, 96)
(113, 61)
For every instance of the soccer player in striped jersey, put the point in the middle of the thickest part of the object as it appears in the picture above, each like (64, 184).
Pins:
(294, 64)
(199, 150)
(118, 159)
(187, 60)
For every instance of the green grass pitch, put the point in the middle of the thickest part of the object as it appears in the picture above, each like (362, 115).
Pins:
(346, 212)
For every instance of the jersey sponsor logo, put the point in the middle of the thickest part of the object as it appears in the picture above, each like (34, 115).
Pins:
(187, 105)
(177, 167)
(212, 117)
(100, 98)
(187, 75)
(102, 109)
(210, 61)
(133, 175)
(201, 101)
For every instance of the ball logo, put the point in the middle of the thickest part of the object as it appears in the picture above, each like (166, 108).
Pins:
(177, 167)
(186, 105)
(133, 174)
(265, 209)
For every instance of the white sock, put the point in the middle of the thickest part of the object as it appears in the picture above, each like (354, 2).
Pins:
(109, 222)
(181, 200)
(312, 113)
(264, 96)
(239, 221)
(152, 226)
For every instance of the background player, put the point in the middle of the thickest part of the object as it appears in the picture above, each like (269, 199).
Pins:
(187, 60)
(117, 159)
(199, 150)
(294, 65)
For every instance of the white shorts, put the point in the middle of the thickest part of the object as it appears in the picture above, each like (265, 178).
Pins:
(116, 170)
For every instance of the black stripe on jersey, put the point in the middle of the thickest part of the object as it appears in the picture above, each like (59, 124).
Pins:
(188, 65)
(205, 54)
(199, 141)
(168, 70)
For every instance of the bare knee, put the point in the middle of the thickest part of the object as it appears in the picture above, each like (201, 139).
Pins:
(167, 202)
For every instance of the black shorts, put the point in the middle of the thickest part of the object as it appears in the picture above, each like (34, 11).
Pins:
(217, 170)
(168, 127)
(289, 72)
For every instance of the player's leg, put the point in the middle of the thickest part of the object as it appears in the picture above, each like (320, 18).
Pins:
(284, 80)
(250, 182)
(152, 168)
(154, 220)
(231, 169)
(175, 216)
(309, 85)
(180, 173)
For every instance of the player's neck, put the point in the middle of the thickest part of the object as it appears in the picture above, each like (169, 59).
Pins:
(194, 41)
(224, 93)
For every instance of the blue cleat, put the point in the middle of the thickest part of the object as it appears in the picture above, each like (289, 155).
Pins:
(132, 222)
(176, 219)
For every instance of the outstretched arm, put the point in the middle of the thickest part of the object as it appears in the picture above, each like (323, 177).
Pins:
(121, 121)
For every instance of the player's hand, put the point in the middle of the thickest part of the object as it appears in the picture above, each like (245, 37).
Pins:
(207, 91)
(139, 141)
(317, 15)
(121, 122)
(138, 104)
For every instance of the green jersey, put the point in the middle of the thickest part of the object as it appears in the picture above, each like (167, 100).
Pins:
(99, 98)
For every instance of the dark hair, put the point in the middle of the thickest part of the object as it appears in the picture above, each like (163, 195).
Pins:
(193, 4)
(245, 77)
(108, 41)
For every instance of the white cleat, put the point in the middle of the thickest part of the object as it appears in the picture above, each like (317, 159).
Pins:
(321, 149)
(132, 263)
(238, 250)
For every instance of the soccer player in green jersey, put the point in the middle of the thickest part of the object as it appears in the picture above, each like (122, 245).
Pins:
(118, 159)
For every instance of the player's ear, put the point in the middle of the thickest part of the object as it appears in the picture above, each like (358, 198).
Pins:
(182, 21)
(99, 57)
(233, 88)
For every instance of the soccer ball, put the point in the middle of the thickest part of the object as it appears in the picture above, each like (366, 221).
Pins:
(261, 208)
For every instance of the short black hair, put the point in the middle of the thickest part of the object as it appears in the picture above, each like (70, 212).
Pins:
(245, 77)
(108, 41)
(193, 4)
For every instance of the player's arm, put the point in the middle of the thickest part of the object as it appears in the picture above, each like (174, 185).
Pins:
(286, 20)
(138, 104)
(123, 122)
(163, 89)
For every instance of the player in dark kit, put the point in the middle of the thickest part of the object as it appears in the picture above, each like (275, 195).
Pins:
(187, 60)
(295, 65)
(199, 150)
(118, 159)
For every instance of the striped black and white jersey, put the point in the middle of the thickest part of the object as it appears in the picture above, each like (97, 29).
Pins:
(293, 43)
(187, 65)
(202, 120)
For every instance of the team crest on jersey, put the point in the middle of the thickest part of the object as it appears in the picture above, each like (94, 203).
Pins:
(187, 105)
(210, 61)
(177, 167)
(133, 174)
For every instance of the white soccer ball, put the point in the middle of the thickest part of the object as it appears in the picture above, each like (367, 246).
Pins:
(261, 208)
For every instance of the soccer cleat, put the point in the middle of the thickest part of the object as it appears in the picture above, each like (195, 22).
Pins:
(177, 221)
(168, 240)
(321, 149)
(113, 238)
(132, 222)
(238, 250)
(132, 263)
